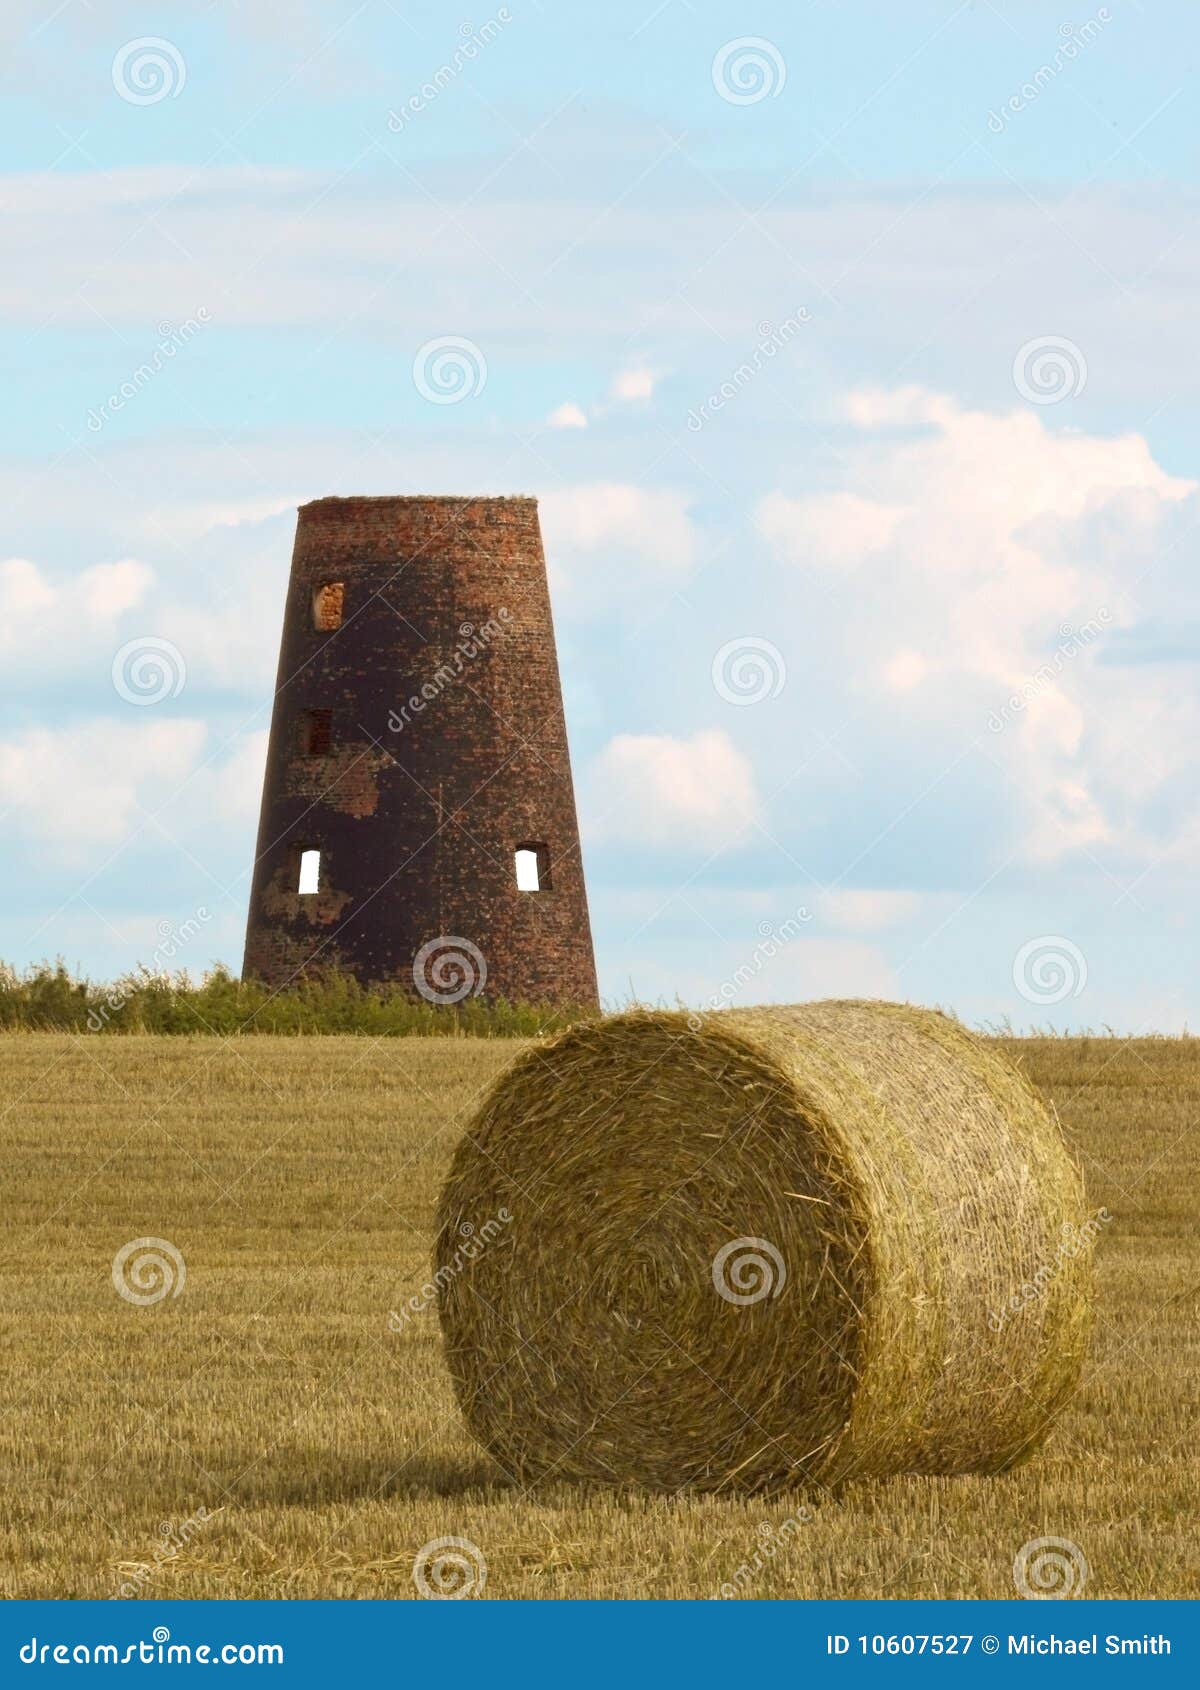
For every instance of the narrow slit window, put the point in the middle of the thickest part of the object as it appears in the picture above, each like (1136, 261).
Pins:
(316, 732)
(533, 867)
(328, 602)
(310, 871)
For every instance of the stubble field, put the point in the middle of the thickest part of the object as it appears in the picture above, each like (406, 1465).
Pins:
(266, 1433)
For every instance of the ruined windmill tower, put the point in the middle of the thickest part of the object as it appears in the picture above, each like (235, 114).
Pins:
(418, 817)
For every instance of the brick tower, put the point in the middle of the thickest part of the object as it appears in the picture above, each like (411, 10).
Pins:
(418, 817)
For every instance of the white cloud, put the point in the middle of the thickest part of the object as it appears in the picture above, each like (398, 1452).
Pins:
(809, 967)
(24, 592)
(110, 589)
(905, 670)
(653, 789)
(53, 613)
(593, 517)
(54, 626)
(181, 522)
(867, 910)
(568, 416)
(977, 544)
(223, 623)
(826, 968)
(898, 407)
(238, 781)
(80, 790)
(281, 247)
(631, 386)
(839, 529)
(609, 542)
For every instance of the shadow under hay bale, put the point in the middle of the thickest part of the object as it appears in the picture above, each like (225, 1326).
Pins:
(763, 1248)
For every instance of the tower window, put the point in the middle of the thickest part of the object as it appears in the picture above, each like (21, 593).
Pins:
(328, 601)
(310, 872)
(533, 867)
(316, 732)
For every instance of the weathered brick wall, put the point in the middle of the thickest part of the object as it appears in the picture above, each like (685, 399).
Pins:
(417, 807)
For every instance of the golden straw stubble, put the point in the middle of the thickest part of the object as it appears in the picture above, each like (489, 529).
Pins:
(762, 1247)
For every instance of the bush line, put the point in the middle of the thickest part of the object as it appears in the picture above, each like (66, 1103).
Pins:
(50, 998)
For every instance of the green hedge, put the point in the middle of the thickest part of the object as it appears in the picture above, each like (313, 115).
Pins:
(52, 999)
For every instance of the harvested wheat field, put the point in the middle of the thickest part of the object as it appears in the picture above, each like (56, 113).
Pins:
(256, 1404)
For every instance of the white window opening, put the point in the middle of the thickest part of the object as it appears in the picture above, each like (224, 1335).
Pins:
(528, 879)
(533, 868)
(310, 871)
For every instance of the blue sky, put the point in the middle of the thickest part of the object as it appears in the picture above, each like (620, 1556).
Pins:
(902, 633)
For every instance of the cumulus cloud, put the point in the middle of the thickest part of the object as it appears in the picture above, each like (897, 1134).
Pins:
(54, 625)
(652, 521)
(661, 791)
(838, 529)
(24, 592)
(568, 416)
(992, 553)
(904, 670)
(52, 615)
(82, 789)
(610, 542)
(630, 386)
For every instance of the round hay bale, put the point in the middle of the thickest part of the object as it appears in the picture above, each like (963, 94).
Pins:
(765, 1247)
